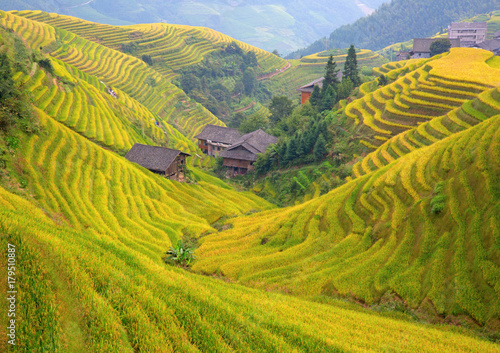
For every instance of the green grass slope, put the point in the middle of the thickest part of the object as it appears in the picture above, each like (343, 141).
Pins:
(312, 67)
(424, 227)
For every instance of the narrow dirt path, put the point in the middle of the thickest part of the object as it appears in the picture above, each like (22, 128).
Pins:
(277, 72)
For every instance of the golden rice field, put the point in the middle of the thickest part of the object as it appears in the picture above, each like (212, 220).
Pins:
(96, 293)
(171, 47)
(132, 80)
(377, 234)
(421, 91)
(419, 223)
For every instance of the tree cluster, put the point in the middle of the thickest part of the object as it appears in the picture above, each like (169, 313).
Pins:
(204, 82)
(333, 89)
(304, 146)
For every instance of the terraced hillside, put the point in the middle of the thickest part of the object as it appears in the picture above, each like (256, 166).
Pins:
(312, 67)
(90, 233)
(99, 293)
(424, 227)
(143, 96)
(469, 114)
(171, 47)
(422, 90)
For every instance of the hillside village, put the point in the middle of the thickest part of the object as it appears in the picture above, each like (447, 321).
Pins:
(168, 188)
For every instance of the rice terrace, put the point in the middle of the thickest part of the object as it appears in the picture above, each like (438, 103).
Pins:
(167, 188)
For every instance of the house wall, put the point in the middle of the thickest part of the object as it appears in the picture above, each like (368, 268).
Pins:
(468, 37)
(176, 168)
(304, 97)
(210, 149)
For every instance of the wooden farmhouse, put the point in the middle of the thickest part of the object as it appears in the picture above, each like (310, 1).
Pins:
(160, 160)
(306, 90)
(215, 139)
(240, 156)
(422, 47)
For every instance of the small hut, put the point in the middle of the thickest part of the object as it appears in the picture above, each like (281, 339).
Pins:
(167, 162)
(240, 156)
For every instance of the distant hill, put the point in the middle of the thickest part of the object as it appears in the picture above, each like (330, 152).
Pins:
(399, 21)
(267, 24)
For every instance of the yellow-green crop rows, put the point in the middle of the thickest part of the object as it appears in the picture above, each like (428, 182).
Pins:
(99, 293)
(171, 47)
(485, 105)
(421, 90)
(106, 68)
(378, 233)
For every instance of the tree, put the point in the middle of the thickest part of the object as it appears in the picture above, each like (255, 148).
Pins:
(315, 98)
(147, 59)
(280, 108)
(263, 163)
(190, 82)
(7, 85)
(319, 148)
(329, 99)
(439, 46)
(291, 150)
(331, 71)
(249, 81)
(275, 52)
(345, 88)
(252, 123)
(351, 67)
(382, 80)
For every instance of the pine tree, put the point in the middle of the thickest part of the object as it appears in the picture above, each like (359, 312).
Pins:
(329, 99)
(319, 148)
(345, 88)
(331, 71)
(315, 98)
(351, 67)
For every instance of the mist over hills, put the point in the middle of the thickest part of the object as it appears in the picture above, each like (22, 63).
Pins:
(267, 24)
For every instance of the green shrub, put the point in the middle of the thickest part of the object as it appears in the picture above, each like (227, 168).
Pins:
(179, 255)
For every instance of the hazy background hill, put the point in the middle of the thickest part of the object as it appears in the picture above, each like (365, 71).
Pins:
(399, 21)
(267, 24)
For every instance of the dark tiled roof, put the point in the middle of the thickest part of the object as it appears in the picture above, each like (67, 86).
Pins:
(153, 157)
(249, 145)
(423, 45)
(496, 34)
(318, 82)
(491, 45)
(468, 25)
(219, 134)
(310, 86)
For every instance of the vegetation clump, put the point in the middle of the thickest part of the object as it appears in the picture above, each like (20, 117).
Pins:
(180, 254)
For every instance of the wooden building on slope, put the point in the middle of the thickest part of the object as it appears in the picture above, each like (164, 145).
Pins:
(306, 90)
(160, 160)
(215, 139)
(240, 156)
